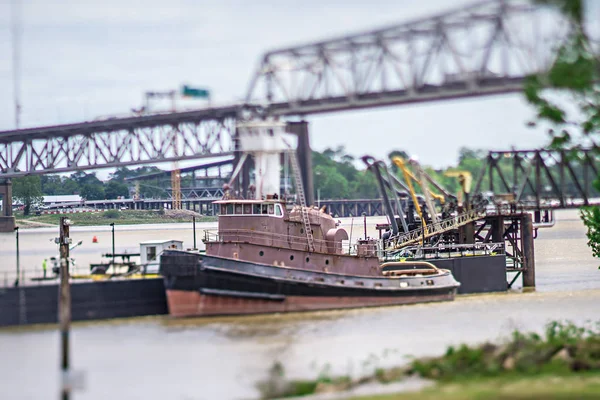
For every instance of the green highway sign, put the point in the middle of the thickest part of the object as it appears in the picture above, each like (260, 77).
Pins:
(188, 91)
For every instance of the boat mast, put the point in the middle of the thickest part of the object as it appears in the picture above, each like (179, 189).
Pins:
(264, 141)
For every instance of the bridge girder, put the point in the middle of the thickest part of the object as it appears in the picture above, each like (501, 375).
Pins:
(487, 48)
(118, 142)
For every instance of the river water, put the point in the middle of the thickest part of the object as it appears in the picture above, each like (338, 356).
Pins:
(223, 358)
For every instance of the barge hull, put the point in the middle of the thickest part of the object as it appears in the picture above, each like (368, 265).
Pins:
(185, 303)
(208, 285)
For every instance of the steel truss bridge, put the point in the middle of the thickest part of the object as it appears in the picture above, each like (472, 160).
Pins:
(488, 48)
(541, 179)
(118, 142)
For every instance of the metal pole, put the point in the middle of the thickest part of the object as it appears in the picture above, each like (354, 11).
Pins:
(64, 304)
(16, 49)
(194, 228)
(365, 224)
(18, 260)
(113, 246)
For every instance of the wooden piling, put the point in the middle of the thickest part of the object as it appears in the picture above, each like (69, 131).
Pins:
(528, 251)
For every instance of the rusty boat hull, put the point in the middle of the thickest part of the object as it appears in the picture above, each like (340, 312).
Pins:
(201, 285)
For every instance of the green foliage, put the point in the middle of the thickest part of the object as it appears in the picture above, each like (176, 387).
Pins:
(91, 188)
(111, 214)
(335, 176)
(28, 190)
(576, 74)
(276, 386)
(591, 220)
(114, 189)
(564, 348)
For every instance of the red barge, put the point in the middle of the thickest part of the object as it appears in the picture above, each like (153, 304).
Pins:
(268, 255)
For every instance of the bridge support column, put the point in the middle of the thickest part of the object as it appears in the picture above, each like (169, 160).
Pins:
(304, 154)
(466, 234)
(7, 220)
(497, 230)
(528, 252)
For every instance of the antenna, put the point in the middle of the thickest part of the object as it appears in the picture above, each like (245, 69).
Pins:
(16, 43)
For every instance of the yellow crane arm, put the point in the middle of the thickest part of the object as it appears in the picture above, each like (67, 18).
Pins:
(439, 197)
(464, 179)
(408, 177)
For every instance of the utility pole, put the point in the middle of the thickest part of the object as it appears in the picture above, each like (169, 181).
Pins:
(64, 305)
(18, 260)
(16, 59)
(194, 228)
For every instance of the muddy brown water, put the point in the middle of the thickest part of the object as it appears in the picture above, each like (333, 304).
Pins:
(223, 358)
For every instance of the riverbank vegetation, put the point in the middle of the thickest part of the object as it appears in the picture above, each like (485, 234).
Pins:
(584, 386)
(563, 352)
(118, 217)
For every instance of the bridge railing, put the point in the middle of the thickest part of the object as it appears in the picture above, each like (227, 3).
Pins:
(278, 240)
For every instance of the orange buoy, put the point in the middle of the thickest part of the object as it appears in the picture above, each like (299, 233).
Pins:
(94, 239)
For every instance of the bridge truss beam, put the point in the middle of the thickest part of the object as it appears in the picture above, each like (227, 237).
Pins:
(118, 142)
(488, 48)
(542, 179)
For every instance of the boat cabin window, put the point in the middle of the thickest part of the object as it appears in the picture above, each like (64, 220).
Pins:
(278, 210)
(250, 209)
(151, 253)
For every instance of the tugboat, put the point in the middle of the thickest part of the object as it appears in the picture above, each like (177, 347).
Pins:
(269, 255)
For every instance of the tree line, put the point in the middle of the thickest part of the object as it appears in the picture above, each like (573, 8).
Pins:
(336, 175)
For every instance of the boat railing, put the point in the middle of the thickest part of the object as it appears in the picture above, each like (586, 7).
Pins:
(278, 240)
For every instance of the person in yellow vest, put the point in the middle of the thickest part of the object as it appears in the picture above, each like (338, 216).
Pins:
(44, 265)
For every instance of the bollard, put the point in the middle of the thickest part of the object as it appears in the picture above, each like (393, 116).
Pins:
(528, 252)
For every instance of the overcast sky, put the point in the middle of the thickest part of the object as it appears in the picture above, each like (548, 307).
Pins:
(82, 59)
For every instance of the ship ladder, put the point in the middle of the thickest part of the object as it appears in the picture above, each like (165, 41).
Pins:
(302, 198)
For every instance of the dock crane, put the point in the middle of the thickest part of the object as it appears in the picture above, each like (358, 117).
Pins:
(423, 179)
(464, 179)
(412, 234)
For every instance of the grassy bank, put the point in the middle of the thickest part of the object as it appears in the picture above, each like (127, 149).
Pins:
(546, 387)
(564, 362)
(119, 217)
